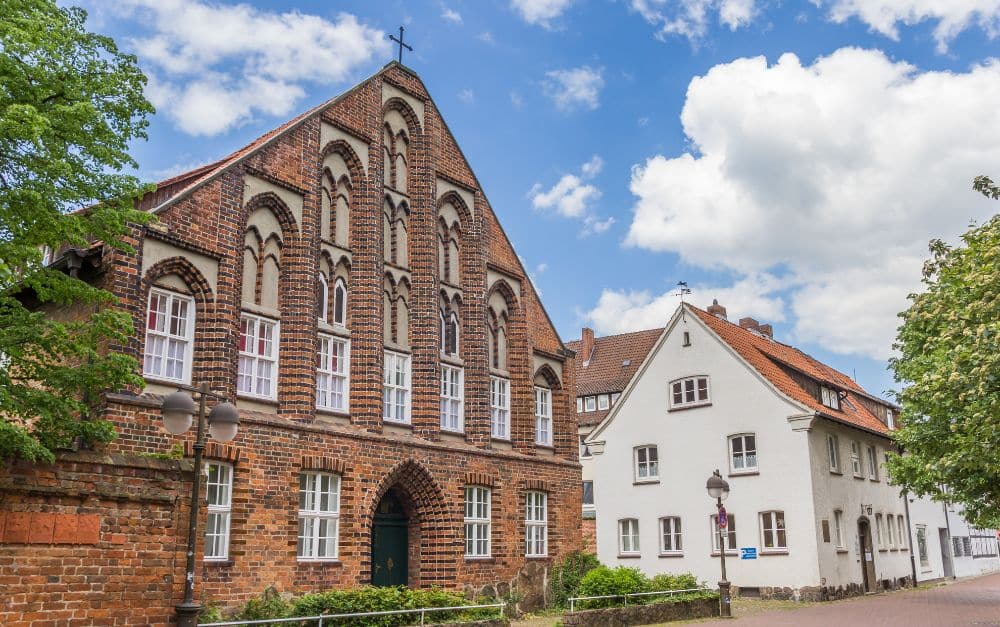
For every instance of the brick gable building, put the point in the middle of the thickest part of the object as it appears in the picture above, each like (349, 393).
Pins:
(345, 282)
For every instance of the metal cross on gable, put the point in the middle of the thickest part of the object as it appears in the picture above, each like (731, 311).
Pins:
(402, 45)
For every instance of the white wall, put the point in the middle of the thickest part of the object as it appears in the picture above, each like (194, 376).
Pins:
(691, 444)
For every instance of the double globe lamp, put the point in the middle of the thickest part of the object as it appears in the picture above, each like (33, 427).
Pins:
(718, 489)
(178, 411)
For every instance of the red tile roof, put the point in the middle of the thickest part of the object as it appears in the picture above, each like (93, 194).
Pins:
(772, 359)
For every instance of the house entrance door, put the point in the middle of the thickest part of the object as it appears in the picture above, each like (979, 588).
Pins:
(867, 555)
(390, 543)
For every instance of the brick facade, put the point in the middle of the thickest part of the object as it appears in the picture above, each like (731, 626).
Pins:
(203, 217)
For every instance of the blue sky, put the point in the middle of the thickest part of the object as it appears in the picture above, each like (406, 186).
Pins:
(791, 159)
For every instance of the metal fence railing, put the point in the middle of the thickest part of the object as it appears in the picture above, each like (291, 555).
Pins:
(333, 617)
(573, 600)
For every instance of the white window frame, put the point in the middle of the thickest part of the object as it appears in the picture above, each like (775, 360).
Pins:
(773, 522)
(579, 404)
(670, 528)
(833, 452)
(614, 397)
(603, 402)
(327, 377)
(591, 403)
(628, 536)
(649, 466)
(220, 512)
(904, 538)
(499, 408)
(250, 363)
(396, 366)
(452, 399)
(873, 463)
(747, 468)
(324, 298)
(312, 515)
(890, 419)
(829, 397)
(593, 499)
(856, 468)
(729, 534)
(478, 521)
(536, 524)
(890, 541)
(543, 416)
(838, 523)
(923, 553)
(166, 339)
(690, 390)
(879, 532)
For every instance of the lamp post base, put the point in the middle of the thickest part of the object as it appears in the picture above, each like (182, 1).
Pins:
(725, 600)
(187, 614)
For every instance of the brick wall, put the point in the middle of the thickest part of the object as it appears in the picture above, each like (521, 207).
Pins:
(426, 467)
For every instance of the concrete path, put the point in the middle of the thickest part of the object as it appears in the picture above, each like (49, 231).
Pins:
(971, 602)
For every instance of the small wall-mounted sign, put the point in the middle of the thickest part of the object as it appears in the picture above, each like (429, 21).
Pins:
(748, 552)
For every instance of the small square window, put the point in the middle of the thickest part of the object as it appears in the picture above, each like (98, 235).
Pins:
(628, 536)
(829, 397)
(602, 402)
(591, 403)
(689, 392)
(579, 405)
(647, 465)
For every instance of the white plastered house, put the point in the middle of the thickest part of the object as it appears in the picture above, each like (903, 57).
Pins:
(803, 449)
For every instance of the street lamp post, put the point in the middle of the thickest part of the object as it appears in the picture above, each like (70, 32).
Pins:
(718, 489)
(178, 411)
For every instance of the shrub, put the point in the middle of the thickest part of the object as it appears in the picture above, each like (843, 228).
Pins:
(267, 605)
(566, 577)
(603, 581)
(666, 581)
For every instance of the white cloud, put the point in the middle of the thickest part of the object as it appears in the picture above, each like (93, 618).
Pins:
(576, 87)
(486, 37)
(467, 96)
(451, 15)
(217, 66)
(541, 268)
(952, 16)
(692, 18)
(572, 197)
(838, 173)
(516, 100)
(620, 311)
(540, 12)
(593, 167)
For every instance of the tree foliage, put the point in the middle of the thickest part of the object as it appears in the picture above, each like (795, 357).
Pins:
(949, 365)
(70, 103)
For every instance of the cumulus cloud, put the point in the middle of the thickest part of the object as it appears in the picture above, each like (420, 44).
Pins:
(691, 18)
(621, 311)
(540, 12)
(575, 87)
(215, 66)
(573, 197)
(838, 173)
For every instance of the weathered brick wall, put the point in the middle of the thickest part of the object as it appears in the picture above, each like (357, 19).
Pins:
(94, 539)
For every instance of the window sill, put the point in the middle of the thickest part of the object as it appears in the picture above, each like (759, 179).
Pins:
(303, 561)
(339, 413)
(537, 557)
(256, 310)
(451, 285)
(165, 381)
(883, 550)
(743, 473)
(500, 439)
(397, 423)
(270, 400)
(483, 559)
(397, 348)
(337, 330)
(861, 477)
(219, 563)
(396, 266)
(774, 551)
(834, 471)
(716, 553)
(672, 554)
(645, 482)
(451, 360)
(629, 556)
(691, 406)
(545, 445)
(459, 432)
(875, 480)
(843, 551)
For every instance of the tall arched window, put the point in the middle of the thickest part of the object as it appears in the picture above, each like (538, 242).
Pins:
(324, 297)
(340, 302)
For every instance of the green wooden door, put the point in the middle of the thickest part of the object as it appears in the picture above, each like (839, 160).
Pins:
(390, 540)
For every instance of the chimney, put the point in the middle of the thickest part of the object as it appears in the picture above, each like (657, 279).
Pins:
(588, 345)
(717, 310)
(749, 324)
(766, 329)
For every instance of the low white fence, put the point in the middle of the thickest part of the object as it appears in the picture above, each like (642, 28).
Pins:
(573, 600)
(332, 617)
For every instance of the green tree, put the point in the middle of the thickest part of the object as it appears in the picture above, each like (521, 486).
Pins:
(70, 103)
(949, 365)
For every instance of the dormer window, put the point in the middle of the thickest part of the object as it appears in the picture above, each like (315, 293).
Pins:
(591, 403)
(603, 402)
(829, 397)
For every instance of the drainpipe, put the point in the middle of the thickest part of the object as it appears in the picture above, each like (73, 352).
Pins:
(909, 538)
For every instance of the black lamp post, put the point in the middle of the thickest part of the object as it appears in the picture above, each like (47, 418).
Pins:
(178, 410)
(718, 489)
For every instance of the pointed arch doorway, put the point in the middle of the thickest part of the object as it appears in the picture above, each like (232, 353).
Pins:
(390, 542)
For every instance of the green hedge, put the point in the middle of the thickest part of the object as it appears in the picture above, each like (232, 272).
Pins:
(366, 599)
(604, 581)
(565, 580)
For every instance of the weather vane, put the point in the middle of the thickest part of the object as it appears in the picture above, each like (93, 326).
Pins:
(402, 45)
(684, 290)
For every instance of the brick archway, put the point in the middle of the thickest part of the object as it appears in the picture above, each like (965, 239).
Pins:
(431, 531)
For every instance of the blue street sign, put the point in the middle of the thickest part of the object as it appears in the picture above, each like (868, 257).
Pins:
(748, 553)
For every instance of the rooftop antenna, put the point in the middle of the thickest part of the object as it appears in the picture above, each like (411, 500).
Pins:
(399, 42)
